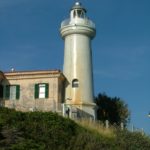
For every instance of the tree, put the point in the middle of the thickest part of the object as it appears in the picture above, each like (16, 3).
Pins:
(113, 109)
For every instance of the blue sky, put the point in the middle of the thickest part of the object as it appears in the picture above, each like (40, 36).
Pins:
(30, 40)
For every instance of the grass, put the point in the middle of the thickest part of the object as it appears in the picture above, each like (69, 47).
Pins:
(49, 131)
(97, 127)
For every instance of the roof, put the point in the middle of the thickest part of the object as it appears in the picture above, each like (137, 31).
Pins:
(78, 5)
(33, 74)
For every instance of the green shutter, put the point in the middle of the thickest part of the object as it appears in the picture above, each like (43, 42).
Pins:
(17, 92)
(1, 91)
(36, 91)
(7, 91)
(46, 90)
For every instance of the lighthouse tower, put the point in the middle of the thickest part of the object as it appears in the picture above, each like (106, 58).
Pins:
(77, 32)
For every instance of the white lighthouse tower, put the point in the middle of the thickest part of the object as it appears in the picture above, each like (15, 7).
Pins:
(77, 32)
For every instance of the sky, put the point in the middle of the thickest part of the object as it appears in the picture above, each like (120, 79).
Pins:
(30, 40)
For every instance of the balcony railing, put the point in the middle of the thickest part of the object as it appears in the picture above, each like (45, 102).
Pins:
(78, 21)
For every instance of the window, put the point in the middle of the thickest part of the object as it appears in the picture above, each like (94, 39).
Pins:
(78, 13)
(75, 83)
(12, 92)
(74, 14)
(1, 91)
(41, 90)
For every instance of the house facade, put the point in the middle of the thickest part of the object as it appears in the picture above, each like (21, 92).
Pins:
(32, 90)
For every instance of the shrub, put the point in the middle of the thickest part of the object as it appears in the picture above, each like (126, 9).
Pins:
(46, 130)
(132, 141)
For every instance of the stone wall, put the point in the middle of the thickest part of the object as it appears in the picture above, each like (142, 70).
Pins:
(27, 81)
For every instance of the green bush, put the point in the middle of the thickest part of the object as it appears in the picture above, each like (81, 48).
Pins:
(132, 141)
(49, 131)
(37, 129)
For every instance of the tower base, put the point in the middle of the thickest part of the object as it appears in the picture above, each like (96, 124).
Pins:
(80, 111)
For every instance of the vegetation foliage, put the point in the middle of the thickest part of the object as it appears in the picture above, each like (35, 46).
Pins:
(49, 131)
(113, 109)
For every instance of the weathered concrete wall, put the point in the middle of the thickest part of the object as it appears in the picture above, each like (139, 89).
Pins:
(27, 81)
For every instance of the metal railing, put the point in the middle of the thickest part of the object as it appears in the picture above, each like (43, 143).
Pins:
(78, 21)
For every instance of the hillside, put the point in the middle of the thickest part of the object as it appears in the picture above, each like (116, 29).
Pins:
(49, 131)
